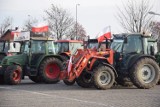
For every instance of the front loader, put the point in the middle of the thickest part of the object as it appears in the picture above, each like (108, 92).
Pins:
(90, 67)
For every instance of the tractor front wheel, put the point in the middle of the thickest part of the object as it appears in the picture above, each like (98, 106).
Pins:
(103, 77)
(13, 75)
(145, 73)
(50, 70)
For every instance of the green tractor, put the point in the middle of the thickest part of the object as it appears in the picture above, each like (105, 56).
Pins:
(37, 59)
(134, 60)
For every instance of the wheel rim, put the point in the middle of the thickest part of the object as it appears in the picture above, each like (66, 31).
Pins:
(52, 71)
(147, 73)
(16, 75)
(105, 78)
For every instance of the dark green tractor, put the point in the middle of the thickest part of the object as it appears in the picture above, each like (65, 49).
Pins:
(38, 59)
(134, 60)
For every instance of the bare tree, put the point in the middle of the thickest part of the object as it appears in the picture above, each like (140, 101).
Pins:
(5, 25)
(28, 24)
(155, 29)
(60, 21)
(134, 15)
(81, 33)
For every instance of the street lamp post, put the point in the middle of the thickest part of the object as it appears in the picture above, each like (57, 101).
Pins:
(76, 19)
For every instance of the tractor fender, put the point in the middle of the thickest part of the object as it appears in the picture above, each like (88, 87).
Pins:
(66, 54)
(136, 58)
(115, 72)
(96, 61)
(48, 56)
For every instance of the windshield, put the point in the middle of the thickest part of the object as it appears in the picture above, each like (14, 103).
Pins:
(134, 44)
(116, 45)
(73, 46)
(62, 47)
(38, 46)
(92, 45)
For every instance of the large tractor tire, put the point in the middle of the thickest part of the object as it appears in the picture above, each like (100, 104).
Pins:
(103, 77)
(1, 79)
(145, 73)
(13, 75)
(85, 80)
(68, 82)
(35, 79)
(50, 70)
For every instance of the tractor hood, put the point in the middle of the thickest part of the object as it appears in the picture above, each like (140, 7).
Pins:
(16, 59)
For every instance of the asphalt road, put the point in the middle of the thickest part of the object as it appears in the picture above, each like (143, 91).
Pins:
(29, 94)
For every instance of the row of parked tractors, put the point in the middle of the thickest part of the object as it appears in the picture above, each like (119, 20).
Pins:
(127, 59)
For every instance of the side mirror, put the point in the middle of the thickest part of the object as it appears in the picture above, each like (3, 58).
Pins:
(125, 40)
(152, 50)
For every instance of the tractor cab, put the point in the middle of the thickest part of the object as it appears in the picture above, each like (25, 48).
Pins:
(68, 47)
(126, 45)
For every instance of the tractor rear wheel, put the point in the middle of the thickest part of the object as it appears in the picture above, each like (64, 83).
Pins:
(68, 82)
(50, 70)
(85, 80)
(145, 73)
(103, 77)
(35, 79)
(13, 75)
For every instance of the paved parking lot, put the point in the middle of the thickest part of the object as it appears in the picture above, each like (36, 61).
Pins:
(29, 94)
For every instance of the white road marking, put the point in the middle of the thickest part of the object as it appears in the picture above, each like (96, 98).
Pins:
(67, 98)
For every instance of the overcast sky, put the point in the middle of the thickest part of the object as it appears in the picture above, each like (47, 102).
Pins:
(94, 15)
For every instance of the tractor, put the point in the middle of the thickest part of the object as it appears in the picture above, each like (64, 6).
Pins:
(134, 60)
(66, 48)
(90, 67)
(37, 59)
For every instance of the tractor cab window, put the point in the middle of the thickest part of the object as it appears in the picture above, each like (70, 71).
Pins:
(51, 47)
(73, 46)
(116, 45)
(38, 46)
(92, 45)
(133, 45)
(62, 47)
